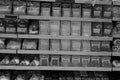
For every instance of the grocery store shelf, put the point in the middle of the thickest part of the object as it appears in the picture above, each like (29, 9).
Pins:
(55, 68)
(45, 0)
(64, 18)
(116, 54)
(116, 69)
(63, 52)
(116, 19)
(63, 37)
(116, 3)
(7, 51)
(8, 35)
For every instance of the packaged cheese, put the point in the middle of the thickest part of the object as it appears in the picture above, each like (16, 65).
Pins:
(107, 11)
(105, 46)
(65, 61)
(106, 61)
(95, 46)
(56, 9)
(2, 25)
(43, 44)
(75, 28)
(95, 61)
(44, 60)
(55, 61)
(2, 43)
(85, 45)
(66, 10)
(65, 45)
(76, 45)
(86, 10)
(97, 11)
(76, 61)
(54, 45)
(45, 9)
(76, 10)
(85, 61)
(115, 11)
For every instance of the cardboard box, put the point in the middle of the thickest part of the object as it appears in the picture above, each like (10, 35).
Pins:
(55, 61)
(97, 29)
(2, 25)
(45, 9)
(75, 28)
(86, 46)
(65, 45)
(76, 45)
(86, 28)
(107, 11)
(66, 10)
(56, 9)
(65, 61)
(95, 46)
(54, 28)
(106, 61)
(54, 45)
(97, 11)
(44, 60)
(33, 8)
(105, 46)
(76, 10)
(85, 61)
(76, 61)
(65, 28)
(44, 27)
(95, 61)
(86, 10)
(43, 44)
(2, 43)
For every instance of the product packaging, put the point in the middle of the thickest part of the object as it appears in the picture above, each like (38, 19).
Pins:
(85, 61)
(22, 26)
(19, 7)
(35, 61)
(75, 28)
(2, 25)
(33, 8)
(43, 44)
(76, 45)
(65, 45)
(76, 10)
(25, 62)
(54, 45)
(5, 60)
(76, 61)
(97, 11)
(97, 29)
(86, 28)
(85, 45)
(106, 61)
(44, 27)
(65, 28)
(116, 11)
(86, 10)
(65, 61)
(66, 10)
(105, 46)
(55, 61)
(44, 60)
(95, 46)
(45, 9)
(2, 43)
(107, 13)
(56, 9)
(15, 61)
(54, 28)
(34, 27)
(29, 44)
(95, 61)
(77, 76)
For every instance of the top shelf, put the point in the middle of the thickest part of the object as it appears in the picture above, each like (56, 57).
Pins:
(116, 3)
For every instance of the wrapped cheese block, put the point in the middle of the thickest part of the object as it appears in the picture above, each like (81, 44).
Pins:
(35, 62)
(76, 45)
(25, 62)
(85, 45)
(2, 43)
(66, 10)
(5, 60)
(44, 60)
(97, 11)
(76, 10)
(107, 13)
(55, 61)
(105, 46)
(86, 10)
(76, 61)
(115, 11)
(85, 61)
(44, 44)
(45, 9)
(95, 46)
(65, 45)
(54, 45)
(106, 61)
(14, 61)
(95, 61)
(56, 9)
(65, 61)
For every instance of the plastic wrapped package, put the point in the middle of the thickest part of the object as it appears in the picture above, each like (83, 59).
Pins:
(5, 60)
(85, 61)
(15, 61)
(2, 25)
(76, 61)
(35, 61)
(56, 9)
(95, 61)
(76, 45)
(107, 13)
(86, 10)
(20, 77)
(13, 44)
(105, 46)
(54, 44)
(95, 46)
(106, 61)
(97, 11)
(116, 11)
(45, 9)
(76, 10)
(66, 10)
(44, 60)
(44, 44)
(33, 8)
(5, 76)
(19, 7)
(86, 46)
(25, 61)
(65, 45)
(5, 6)
(65, 61)
(55, 60)
(2, 43)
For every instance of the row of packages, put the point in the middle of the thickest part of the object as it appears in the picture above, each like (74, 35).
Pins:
(55, 60)
(51, 75)
(55, 9)
(55, 44)
(53, 27)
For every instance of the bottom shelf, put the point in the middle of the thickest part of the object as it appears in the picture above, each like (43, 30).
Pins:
(54, 68)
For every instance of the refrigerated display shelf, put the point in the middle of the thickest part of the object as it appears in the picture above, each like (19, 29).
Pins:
(8, 35)
(7, 51)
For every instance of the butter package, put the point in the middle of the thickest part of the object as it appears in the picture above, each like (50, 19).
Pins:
(75, 28)
(86, 28)
(22, 26)
(54, 45)
(66, 10)
(13, 44)
(34, 27)
(107, 13)
(106, 61)
(19, 7)
(95, 61)
(43, 44)
(76, 10)
(54, 28)
(116, 11)
(85, 61)
(96, 29)
(5, 6)
(2, 25)
(45, 9)
(33, 8)
(2, 43)
(30, 44)
(95, 46)
(65, 28)
(44, 60)
(56, 9)
(76, 61)
(107, 29)
(105, 46)
(97, 11)
(44, 27)
(86, 10)
(65, 61)
(76, 45)
(86, 46)
(11, 25)
(65, 45)
(55, 61)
